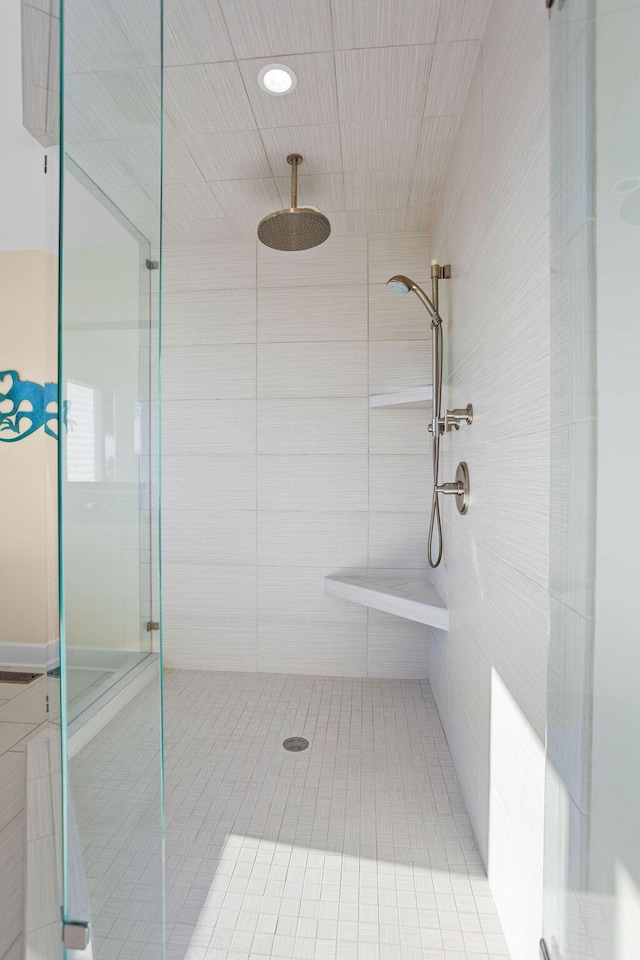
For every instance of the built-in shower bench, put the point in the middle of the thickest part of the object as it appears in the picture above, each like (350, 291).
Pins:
(413, 598)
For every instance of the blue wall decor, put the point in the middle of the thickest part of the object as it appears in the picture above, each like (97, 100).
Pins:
(30, 404)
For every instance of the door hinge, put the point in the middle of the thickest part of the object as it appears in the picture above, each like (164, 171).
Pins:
(152, 625)
(46, 163)
(152, 264)
(76, 934)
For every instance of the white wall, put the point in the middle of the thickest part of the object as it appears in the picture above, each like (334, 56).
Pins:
(615, 771)
(493, 228)
(275, 471)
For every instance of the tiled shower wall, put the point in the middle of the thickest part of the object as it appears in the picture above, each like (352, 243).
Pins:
(489, 672)
(275, 470)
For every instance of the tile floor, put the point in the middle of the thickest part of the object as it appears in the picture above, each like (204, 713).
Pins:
(360, 847)
(22, 715)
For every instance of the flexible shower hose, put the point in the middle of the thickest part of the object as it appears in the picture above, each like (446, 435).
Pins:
(435, 523)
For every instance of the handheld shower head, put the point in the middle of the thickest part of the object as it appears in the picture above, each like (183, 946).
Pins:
(400, 284)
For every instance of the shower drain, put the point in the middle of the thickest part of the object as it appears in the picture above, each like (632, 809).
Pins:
(295, 744)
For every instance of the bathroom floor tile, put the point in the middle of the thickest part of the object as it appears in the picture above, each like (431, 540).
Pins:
(359, 846)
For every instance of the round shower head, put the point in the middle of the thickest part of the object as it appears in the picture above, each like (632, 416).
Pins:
(297, 228)
(399, 284)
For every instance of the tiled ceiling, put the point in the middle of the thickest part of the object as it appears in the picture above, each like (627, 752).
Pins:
(381, 84)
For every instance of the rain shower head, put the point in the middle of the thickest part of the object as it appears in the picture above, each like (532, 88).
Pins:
(296, 228)
(400, 284)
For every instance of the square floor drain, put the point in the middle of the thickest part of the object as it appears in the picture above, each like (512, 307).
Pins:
(11, 676)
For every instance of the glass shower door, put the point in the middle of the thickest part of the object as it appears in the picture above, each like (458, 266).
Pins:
(592, 841)
(111, 139)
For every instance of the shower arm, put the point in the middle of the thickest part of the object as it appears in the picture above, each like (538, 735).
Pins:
(294, 159)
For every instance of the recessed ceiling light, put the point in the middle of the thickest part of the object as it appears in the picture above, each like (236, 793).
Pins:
(277, 79)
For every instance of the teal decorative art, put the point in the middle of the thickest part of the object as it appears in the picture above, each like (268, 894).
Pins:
(25, 407)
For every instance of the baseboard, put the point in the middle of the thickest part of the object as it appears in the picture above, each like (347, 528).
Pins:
(40, 656)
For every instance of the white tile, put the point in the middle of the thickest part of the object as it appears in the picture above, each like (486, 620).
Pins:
(381, 23)
(311, 539)
(225, 644)
(315, 825)
(397, 647)
(260, 29)
(393, 317)
(218, 228)
(221, 199)
(179, 165)
(97, 44)
(437, 135)
(191, 482)
(209, 266)
(312, 370)
(29, 706)
(194, 594)
(517, 764)
(312, 483)
(323, 426)
(399, 431)
(214, 538)
(207, 98)
(208, 317)
(377, 191)
(318, 145)
(313, 101)
(12, 783)
(419, 220)
(194, 33)
(399, 484)
(425, 191)
(233, 155)
(379, 145)
(245, 198)
(394, 365)
(209, 372)
(328, 312)
(451, 72)
(297, 593)
(12, 848)
(375, 221)
(229, 427)
(384, 82)
(404, 253)
(327, 649)
(124, 163)
(13, 733)
(112, 105)
(462, 19)
(337, 260)
(398, 539)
